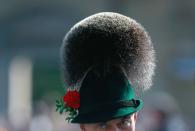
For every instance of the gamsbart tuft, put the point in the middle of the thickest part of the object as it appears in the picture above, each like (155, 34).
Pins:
(109, 39)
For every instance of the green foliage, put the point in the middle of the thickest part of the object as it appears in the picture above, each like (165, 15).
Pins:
(62, 108)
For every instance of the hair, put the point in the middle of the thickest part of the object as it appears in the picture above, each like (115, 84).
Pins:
(109, 39)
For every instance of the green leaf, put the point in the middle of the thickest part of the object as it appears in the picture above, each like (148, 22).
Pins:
(57, 101)
(62, 110)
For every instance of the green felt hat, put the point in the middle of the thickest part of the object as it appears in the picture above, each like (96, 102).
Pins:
(105, 96)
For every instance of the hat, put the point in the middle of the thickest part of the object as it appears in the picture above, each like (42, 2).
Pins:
(105, 96)
(105, 57)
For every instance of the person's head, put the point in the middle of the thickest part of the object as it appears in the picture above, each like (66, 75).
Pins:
(125, 123)
(105, 56)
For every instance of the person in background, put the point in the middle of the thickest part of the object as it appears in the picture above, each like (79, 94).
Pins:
(162, 113)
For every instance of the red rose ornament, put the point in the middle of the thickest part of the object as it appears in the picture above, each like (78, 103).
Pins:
(72, 99)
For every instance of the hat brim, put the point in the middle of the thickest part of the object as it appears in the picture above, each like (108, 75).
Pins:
(107, 115)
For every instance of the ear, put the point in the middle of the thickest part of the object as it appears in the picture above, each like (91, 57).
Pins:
(82, 127)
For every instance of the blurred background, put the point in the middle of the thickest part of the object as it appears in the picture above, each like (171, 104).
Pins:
(31, 33)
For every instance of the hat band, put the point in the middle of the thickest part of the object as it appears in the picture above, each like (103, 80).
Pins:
(124, 103)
